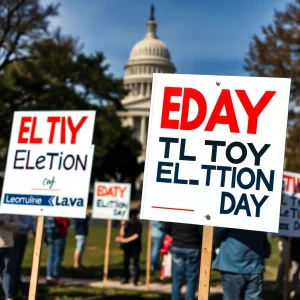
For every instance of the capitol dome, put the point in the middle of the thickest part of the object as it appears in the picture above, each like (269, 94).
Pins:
(148, 56)
(149, 48)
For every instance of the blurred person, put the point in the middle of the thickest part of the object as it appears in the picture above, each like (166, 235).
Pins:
(26, 224)
(241, 258)
(56, 230)
(130, 239)
(81, 233)
(295, 261)
(157, 236)
(186, 250)
(8, 225)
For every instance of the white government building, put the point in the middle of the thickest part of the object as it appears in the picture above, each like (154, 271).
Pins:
(148, 56)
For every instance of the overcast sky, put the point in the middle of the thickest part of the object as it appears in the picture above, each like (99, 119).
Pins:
(203, 36)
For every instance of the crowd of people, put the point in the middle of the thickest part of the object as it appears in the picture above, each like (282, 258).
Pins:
(239, 255)
(14, 230)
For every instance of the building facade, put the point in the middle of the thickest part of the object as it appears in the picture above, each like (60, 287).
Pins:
(148, 56)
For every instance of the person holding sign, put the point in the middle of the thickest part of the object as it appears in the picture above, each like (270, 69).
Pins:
(20, 242)
(240, 259)
(130, 239)
(295, 262)
(56, 230)
(187, 239)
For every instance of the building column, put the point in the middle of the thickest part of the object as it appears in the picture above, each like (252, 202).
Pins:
(142, 89)
(143, 131)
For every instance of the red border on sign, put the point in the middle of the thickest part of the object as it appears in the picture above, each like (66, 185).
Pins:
(173, 208)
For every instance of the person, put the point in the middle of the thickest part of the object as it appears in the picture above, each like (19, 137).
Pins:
(26, 224)
(186, 248)
(8, 225)
(56, 230)
(240, 259)
(81, 233)
(130, 239)
(295, 262)
(157, 236)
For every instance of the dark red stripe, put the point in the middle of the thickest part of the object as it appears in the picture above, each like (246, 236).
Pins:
(172, 208)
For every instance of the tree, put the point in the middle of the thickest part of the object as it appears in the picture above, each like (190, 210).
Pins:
(277, 54)
(21, 23)
(59, 77)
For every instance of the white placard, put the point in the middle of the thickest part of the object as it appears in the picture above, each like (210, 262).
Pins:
(111, 201)
(215, 150)
(290, 205)
(49, 164)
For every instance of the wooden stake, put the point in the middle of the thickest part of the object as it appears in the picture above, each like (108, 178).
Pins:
(36, 258)
(148, 262)
(205, 266)
(286, 292)
(106, 254)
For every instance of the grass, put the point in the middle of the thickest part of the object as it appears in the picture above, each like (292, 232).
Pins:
(80, 293)
(94, 258)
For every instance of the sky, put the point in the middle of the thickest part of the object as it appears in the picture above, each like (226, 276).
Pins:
(203, 36)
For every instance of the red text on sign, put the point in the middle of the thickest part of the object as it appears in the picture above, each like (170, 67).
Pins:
(60, 125)
(224, 102)
(113, 191)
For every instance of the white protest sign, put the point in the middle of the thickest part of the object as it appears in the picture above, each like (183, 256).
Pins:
(49, 164)
(290, 205)
(111, 201)
(215, 151)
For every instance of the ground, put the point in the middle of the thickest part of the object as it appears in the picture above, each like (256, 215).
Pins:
(94, 259)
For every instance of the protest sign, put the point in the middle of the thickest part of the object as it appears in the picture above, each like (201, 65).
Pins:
(49, 164)
(111, 201)
(290, 205)
(215, 151)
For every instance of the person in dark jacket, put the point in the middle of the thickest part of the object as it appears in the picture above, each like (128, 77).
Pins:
(240, 259)
(131, 244)
(295, 263)
(186, 250)
(81, 233)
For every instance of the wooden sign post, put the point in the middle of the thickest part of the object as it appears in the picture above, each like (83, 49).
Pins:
(205, 266)
(148, 261)
(36, 258)
(106, 254)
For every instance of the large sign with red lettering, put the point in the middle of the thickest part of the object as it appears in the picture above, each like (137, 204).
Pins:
(215, 151)
(111, 201)
(49, 164)
(290, 205)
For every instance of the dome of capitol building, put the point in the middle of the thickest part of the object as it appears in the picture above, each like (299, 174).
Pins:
(149, 55)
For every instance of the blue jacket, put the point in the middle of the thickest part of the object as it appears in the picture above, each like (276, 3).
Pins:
(157, 230)
(241, 251)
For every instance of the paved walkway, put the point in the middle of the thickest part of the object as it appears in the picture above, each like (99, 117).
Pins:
(158, 287)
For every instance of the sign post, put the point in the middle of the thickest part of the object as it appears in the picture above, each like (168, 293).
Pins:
(106, 254)
(111, 202)
(210, 154)
(205, 265)
(48, 169)
(36, 258)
